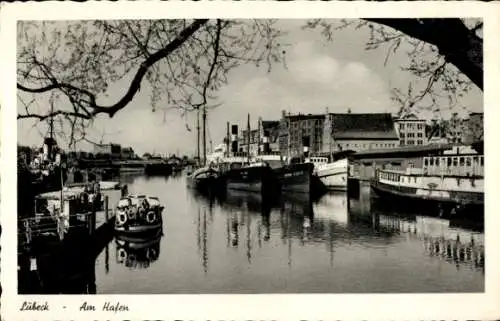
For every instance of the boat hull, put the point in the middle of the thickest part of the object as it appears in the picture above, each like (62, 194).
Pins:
(140, 229)
(408, 198)
(205, 184)
(139, 241)
(334, 175)
(257, 179)
(296, 178)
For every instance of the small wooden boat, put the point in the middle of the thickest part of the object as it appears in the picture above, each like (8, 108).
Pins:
(203, 179)
(139, 215)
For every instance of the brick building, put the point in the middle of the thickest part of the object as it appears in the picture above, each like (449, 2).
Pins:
(293, 128)
(474, 130)
(257, 137)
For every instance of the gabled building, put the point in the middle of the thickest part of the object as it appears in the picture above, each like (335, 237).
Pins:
(411, 130)
(349, 131)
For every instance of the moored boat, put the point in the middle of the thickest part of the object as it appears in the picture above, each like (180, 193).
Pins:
(334, 175)
(256, 177)
(139, 214)
(204, 179)
(450, 183)
(296, 177)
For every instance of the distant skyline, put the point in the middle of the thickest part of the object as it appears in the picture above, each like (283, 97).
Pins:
(337, 75)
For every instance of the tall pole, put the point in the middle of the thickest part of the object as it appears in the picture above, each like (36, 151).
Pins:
(248, 137)
(228, 144)
(258, 135)
(288, 138)
(204, 135)
(198, 134)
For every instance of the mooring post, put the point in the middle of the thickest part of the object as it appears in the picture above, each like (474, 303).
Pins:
(106, 202)
(27, 228)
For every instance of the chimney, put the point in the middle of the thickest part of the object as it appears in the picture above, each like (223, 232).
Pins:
(265, 141)
(234, 138)
(305, 145)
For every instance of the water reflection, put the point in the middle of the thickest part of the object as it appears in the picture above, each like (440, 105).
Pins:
(335, 220)
(137, 254)
(246, 243)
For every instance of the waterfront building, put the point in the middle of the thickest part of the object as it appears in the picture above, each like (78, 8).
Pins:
(474, 130)
(113, 150)
(455, 129)
(127, 153)
(411, 130)
(293, 130)
(358, 132)
(267, 131)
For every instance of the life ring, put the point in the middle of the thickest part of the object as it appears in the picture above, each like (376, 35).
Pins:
(122, 254)
(151, 217)
(121, 218)
(132, 214)
(151, 254)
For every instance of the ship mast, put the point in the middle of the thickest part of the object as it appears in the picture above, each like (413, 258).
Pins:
(248, 137)
(204, 135)
(198, 135)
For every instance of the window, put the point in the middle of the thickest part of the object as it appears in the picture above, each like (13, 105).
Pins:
(455, 161)
(431, 161)
(426, 161)
(482, 160)
(468, 161)
(437, 161)
(462, 161)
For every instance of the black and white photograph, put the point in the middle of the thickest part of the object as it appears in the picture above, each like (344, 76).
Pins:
(156, 161)
(187, 156)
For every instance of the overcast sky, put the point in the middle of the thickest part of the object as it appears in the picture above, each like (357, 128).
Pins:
(319, 74)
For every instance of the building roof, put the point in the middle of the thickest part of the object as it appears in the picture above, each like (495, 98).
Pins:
(270, 124)
(364, 126)
(305, 117)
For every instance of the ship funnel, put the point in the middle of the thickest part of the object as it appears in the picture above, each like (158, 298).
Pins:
(265, 141)
(234, 138)
(306, 144)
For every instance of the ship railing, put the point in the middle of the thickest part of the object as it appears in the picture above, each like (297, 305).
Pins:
(33, 227)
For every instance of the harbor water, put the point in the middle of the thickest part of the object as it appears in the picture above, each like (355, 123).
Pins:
(239, 245)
